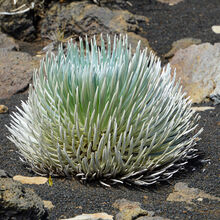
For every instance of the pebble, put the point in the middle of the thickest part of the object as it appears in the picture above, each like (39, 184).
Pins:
(216, 29)
(170, 2)
(95, 216)
(3, 109)
(48, 204)
(30, 180)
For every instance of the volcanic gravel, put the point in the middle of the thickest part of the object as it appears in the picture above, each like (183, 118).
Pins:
(192, 18)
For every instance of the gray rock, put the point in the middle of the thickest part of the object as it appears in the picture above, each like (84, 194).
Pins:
(7, 43)
(199, 70)
(80, 19)
(16, 71)
(18, 202)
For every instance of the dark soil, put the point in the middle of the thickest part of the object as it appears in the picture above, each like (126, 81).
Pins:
(191, 18)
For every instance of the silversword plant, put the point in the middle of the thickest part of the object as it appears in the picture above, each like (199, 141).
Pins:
(105, 113)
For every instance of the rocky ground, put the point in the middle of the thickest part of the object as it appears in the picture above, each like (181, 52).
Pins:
(184, 32)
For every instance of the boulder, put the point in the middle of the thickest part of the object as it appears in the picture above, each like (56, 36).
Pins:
(76, 19)
(18, 202)
(199, 70)
(16, 69)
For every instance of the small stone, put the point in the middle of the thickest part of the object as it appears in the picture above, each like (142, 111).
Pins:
(216, 29)
(145, 198)
(200, 199)
(95, 216)
(218, 123)
(48, 204)
(79, 207)
(30, 180)
(203, 108)
(170, 2)
(3, 109)
(189, 208)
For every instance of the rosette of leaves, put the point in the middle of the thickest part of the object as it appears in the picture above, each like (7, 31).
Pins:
(105, 113)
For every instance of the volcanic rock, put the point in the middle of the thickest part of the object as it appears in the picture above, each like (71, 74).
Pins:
(16, 69)
(18, 202)
(76, 19)
(199, 70)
